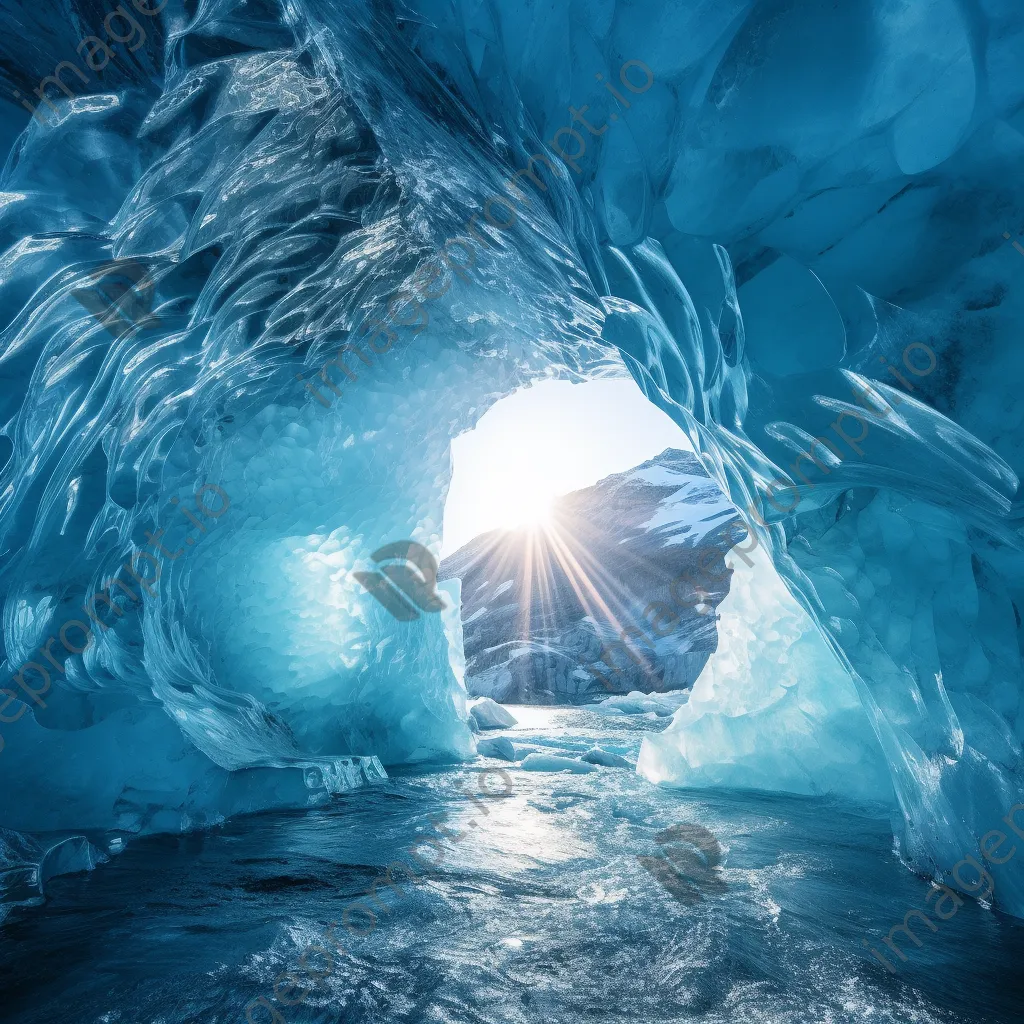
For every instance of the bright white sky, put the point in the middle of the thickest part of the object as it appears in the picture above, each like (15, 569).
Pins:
(544, 441)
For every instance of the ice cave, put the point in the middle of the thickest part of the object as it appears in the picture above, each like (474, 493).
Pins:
(735, 735)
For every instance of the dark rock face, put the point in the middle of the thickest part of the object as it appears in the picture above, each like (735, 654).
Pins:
(616, 594)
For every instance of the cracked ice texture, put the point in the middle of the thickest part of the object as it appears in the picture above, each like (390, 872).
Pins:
(805, 189)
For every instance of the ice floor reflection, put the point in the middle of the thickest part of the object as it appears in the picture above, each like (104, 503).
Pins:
(542, 913)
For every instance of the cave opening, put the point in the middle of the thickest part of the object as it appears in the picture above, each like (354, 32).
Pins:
(589, 543)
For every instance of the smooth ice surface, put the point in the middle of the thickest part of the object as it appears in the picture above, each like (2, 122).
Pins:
(536, 762)
(606, 758)
(663, 705)
(496, 746)
(793, 229)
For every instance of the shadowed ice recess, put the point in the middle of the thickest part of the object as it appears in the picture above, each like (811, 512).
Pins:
(350, 229)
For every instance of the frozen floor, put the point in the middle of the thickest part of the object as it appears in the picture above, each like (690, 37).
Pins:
(541, 913)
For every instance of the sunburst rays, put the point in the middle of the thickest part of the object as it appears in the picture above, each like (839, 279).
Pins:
(568, 544)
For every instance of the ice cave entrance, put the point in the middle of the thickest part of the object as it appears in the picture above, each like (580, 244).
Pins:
(576, 522)
(598, 562)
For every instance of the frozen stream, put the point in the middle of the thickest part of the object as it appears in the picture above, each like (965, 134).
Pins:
(540, 913)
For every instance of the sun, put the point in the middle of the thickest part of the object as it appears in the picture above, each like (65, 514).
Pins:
(529, 508)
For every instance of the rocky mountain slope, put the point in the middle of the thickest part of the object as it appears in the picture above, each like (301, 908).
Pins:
(616, 593)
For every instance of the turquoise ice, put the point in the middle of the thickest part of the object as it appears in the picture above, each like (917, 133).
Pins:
(792, 223)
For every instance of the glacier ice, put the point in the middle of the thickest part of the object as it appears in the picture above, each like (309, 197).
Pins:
(662, 705)
(491, 715)
(496, 746)
(763, 212)
(606, 758)
(537, 762)
(773, 710)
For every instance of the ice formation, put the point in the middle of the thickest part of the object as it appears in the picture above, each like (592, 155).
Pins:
(537, 762)
(496, 746)
(789, 221)
(490, 715)
(606, 758)
(773, 710)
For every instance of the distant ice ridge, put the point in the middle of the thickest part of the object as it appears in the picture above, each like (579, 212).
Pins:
(663, 705)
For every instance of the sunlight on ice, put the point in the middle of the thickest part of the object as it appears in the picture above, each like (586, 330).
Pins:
(774, 709)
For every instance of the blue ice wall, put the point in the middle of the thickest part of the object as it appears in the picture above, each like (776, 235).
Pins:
(793, 222)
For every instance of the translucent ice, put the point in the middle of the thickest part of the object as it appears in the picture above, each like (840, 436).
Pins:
(556, 763)
(792, 224)
(496, 746)
(490, 715)
(606, 758)
(773, 710)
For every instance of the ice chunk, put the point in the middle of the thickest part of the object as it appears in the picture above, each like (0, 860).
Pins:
(606, 758)
(638, 703)
(491, 715)
(555, 763)
(496, 746)
(28, 862)
(774, 709)
(68, 857)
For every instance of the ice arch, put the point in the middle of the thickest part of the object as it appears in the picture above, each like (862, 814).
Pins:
(796, 199)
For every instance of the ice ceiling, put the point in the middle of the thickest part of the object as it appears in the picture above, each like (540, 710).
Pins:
(786, 219)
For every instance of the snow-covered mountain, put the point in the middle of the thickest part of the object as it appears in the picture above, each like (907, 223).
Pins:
(633, 556)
